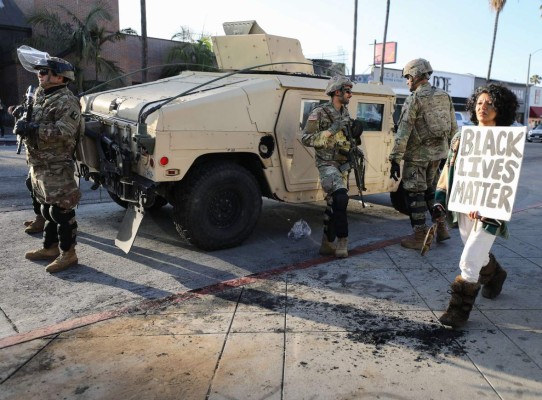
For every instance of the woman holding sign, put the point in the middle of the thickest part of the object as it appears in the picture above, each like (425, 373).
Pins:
(489, 106)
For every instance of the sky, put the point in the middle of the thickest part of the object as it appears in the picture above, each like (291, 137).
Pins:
(454, 35)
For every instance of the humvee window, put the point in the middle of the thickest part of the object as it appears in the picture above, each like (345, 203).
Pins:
(306, 107)
(370, 114)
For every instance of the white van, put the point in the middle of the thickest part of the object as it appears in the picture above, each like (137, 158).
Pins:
(462, 119)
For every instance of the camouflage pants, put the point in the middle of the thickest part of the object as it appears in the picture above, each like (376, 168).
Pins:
(332, 179)
(55, 185)
(418, 176)
(419, 180)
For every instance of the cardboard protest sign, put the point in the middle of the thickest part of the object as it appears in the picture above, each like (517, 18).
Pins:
(487, 170)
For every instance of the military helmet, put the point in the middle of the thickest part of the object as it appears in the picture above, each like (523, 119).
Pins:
(58, 66)
(417, 67)
(337, 82)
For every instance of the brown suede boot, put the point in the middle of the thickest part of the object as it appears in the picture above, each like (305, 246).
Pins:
(35, 226)
(327, 248)
(442, 232)
(63, 261)
(492, 276)
(44, 253)
(416, 240)
(342, 248)
(463, 297)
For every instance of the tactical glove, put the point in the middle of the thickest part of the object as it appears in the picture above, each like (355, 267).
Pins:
(395, 171)
(25, 129)
(337, 126)
(438, 213)
(17, 112)
(357, 128)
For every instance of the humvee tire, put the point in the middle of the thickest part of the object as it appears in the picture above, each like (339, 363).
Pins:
(218, 206)
(159, 202)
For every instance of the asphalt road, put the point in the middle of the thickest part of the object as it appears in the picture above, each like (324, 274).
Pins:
(160, 263)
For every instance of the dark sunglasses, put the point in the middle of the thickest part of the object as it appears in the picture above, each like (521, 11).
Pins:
(45, 71)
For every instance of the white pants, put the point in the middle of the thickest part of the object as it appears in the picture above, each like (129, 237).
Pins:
(477, 244)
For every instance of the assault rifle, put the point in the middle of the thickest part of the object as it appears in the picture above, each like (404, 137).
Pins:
(356, 158)
(27, 114)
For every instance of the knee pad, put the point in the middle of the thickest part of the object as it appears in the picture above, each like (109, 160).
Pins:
(61, 216)
(416, 207)
(45, 210)
(67, 226)
(329, 226)
(28, 183)
(340, 220)
(340, 200)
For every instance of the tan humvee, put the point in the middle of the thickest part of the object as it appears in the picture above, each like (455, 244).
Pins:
(213, 143)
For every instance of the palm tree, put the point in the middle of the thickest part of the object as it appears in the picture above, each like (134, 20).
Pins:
(81, 38)
(535, 79)
(104, 68)
(196, 55)
(497, 6)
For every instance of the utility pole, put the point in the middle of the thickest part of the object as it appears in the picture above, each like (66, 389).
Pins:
(384, 44)
(144, 53)
(353, 77)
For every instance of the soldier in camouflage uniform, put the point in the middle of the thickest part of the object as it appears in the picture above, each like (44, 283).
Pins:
(326, 130)
(50, 139)
(426, 125)
(37, 224)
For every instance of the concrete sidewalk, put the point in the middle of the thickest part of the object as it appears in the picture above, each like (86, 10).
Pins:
(364, 327)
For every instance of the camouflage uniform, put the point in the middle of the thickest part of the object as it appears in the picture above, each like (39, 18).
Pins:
(331, 153)
(421, 150)
(50, 158)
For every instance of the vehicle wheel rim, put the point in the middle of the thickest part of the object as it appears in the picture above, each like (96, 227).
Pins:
(224, 209)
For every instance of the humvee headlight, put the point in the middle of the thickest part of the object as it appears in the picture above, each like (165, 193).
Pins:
(164, 161)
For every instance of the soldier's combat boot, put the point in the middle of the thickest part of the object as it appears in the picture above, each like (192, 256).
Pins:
(44, 253)
(35, 226)
(492, 276)
(416, 240)
(342, 248)
(463, 297)
(442, 232)
(64, 260)
(327, 248)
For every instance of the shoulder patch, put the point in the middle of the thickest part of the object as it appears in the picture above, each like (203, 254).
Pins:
(74, 115)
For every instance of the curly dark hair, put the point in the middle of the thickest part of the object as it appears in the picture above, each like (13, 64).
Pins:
(504, 101)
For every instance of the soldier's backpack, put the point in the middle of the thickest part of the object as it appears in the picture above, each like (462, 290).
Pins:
(436, 113)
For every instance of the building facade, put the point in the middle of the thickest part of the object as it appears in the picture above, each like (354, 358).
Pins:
(535, 106)
(458, 86)
(15, 31)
